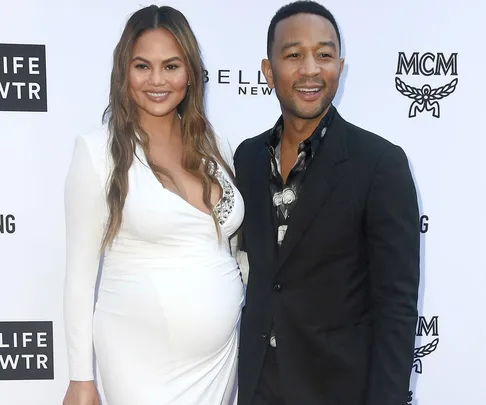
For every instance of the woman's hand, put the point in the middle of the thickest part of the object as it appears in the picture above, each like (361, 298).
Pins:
(81, 393)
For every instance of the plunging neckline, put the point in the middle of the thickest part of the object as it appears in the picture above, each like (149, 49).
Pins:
(177, 196)
(206, 214)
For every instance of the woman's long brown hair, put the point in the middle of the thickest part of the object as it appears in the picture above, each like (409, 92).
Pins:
(199, 141)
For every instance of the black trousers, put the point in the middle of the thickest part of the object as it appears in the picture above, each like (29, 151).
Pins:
(268, 390)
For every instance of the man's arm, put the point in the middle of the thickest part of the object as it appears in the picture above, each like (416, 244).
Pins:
(393, 246)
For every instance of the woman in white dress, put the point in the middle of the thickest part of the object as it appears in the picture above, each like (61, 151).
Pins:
(153, 195)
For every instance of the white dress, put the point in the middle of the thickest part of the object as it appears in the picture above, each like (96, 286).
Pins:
(165, 324)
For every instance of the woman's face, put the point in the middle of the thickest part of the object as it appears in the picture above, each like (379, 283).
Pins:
(158, 76)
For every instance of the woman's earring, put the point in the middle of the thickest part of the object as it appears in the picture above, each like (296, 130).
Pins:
(188, 83)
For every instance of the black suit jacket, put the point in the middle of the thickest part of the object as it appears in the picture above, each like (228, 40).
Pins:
(342, 289)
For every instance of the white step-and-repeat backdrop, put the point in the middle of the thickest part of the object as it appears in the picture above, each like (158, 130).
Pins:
(55, 62)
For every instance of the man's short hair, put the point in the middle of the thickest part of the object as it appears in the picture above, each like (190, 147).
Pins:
(300, 7)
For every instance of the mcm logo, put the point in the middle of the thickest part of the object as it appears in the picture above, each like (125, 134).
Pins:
(425, 98)
(421, 352)
(427, 329)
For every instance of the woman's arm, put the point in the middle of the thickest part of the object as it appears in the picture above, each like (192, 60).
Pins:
(85, 218)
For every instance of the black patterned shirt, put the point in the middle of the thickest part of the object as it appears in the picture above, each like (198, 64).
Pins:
(285, 196)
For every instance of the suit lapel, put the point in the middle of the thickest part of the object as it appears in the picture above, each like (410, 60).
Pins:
(321, 177)
(264, 216)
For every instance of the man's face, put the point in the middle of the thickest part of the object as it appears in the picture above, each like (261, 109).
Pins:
(305, 65)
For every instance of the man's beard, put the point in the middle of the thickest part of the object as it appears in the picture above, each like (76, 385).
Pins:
(290, 105)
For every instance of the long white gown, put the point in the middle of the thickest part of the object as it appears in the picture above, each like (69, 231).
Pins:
(165, 322)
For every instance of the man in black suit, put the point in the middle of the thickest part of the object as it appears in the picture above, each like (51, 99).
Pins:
(332, 237)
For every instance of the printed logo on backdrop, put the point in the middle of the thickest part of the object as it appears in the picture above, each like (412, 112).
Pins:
(430, 328)
(23, 78)
(26, 351)
(424, 224)
(426, 95)
(7, 224)
(244, 83)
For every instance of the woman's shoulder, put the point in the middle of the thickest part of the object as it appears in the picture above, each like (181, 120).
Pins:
(96, 143)
(96, 140)
(225, 149)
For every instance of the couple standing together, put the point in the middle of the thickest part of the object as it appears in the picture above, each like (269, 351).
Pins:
(322, 212)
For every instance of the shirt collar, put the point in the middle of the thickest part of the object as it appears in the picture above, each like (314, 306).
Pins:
(314, 139)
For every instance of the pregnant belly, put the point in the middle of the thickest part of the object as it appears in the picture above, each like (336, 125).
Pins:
(186, 312)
